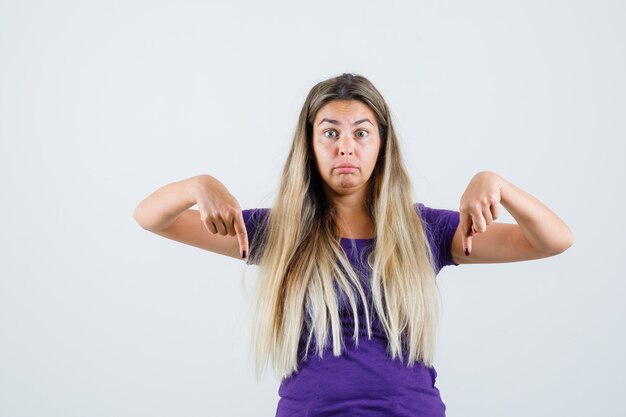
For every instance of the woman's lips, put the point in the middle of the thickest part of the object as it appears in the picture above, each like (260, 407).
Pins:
(345, 170)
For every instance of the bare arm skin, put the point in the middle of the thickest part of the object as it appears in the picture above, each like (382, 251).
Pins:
(539, 232)
(217, 226)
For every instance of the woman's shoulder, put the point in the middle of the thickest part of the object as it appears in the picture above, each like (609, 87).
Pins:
(426, 212)
(255, 220)
(437, 218)
(260, 211)
(432, 212)
(440, 225)
(254, 216)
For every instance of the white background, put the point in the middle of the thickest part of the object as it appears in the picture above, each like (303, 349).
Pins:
(102, 103)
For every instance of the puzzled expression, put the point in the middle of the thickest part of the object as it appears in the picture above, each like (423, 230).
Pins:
(346, 144)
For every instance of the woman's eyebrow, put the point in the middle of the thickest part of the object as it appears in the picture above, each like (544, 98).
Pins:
(335, 122)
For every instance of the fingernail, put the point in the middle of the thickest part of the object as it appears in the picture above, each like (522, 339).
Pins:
(467, 252)
(243, 254)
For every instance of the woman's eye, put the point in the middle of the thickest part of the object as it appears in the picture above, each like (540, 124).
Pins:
(333, 134)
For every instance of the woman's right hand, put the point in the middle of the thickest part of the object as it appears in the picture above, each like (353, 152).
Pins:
(219, 210)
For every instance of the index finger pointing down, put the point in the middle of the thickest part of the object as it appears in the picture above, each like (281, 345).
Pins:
(242, 235)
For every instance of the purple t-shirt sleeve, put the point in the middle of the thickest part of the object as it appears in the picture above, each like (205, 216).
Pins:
(440, 225)
(254, 220)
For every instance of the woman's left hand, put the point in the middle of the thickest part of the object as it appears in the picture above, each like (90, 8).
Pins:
(479, 205)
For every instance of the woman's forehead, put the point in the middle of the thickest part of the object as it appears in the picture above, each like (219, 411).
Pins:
(348, 112)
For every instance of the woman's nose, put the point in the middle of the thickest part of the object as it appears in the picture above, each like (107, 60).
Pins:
(345, 146)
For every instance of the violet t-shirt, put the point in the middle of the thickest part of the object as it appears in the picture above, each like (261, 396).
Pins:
(363, 381)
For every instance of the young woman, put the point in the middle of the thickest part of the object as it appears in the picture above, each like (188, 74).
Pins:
(347, 261)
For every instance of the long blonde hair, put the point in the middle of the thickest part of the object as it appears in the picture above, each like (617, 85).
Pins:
(299, 270)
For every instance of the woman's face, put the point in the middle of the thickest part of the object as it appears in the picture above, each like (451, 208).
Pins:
(345, 132)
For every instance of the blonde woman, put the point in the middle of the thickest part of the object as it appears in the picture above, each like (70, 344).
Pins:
(346, 302)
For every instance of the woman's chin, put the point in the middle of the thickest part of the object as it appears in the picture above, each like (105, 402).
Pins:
(346, 185)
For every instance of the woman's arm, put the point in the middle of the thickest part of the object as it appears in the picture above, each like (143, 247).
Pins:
(539, 232)
(161, 208)
(218, 226)
(541, 226)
